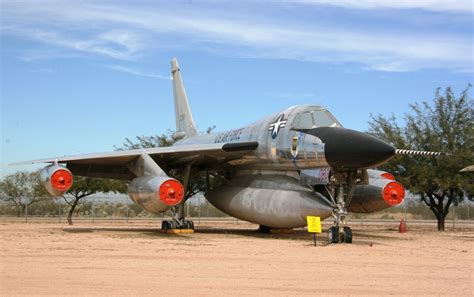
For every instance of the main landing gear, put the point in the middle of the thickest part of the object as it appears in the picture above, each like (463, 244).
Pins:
(344, 183)
(179, 222)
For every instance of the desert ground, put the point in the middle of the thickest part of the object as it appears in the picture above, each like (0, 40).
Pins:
(229, 258)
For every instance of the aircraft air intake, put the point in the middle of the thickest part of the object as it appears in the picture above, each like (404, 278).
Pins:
(156, 193)
(379, 194)
(56, 179)
(393, 193)
(171, 192)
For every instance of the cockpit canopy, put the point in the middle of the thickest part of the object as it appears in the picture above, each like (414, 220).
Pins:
(314, 117)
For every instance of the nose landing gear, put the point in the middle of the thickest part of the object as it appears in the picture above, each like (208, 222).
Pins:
(344, 183)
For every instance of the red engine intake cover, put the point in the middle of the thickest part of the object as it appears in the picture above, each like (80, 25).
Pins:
(171, 192)
(61, 180)
(393, 193)
(388, 175)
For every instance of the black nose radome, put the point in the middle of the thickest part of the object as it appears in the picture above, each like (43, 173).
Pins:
(345, 148)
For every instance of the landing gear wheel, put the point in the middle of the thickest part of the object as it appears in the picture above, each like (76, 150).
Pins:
(347, 235)
(189, 225)
(172, 225)
(165, 226)
(333, 236)
(341, 237)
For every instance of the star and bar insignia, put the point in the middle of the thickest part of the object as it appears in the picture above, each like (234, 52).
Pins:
(277, 125)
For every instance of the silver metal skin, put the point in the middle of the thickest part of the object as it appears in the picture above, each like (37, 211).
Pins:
(286, 150)
(272, 165)
(45, 178)
(145, 192)
(273, 200)
(185, 126)
(369, 198)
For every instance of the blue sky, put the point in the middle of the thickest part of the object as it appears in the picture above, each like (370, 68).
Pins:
(80, 76)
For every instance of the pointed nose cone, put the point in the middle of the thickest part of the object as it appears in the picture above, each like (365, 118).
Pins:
(345, 148)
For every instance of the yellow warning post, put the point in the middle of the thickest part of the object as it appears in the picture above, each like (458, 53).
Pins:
(314, 226)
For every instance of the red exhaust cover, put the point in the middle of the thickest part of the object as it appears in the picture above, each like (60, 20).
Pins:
(393, 193)
(388, 175)
(61, 180)
(171, 192)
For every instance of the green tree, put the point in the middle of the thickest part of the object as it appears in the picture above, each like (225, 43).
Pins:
(444, 125)
(142, 141)
(86, 186)
(23, 189)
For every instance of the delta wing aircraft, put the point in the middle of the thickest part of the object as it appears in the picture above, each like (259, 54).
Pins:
(275, 172)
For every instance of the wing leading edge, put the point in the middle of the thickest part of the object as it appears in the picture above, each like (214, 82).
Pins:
(114, 164)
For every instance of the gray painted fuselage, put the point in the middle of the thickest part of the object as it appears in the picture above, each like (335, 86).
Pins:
(274, 150)
(265, 185)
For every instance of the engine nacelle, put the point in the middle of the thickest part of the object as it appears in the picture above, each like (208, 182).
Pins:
(156, 193)
(276, 201)
(379, 174)
(379, 194)
(56, 179)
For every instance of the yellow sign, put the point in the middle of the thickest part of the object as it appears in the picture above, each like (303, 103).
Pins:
(314, 224)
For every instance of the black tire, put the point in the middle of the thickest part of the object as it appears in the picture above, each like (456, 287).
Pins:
(347, 235)
(164, 225)
(191, 225)
(333, 236)
(341, 237)
(187, 225)
(171, 225)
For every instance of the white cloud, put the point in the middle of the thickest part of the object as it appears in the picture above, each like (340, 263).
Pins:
(120, 45)
(99, 29)
(135, 72)
(463, 6)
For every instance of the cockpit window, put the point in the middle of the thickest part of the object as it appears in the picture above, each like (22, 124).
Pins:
(322, 119)
(306, 120)
(313, 119)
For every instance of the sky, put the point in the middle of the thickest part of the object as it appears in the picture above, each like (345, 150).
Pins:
(81, 76)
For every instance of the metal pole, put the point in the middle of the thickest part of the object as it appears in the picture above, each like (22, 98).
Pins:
(26, 212)
(454, 216)
(59, 210)
(405, 210)
(128, 209)
(187, 210)
(199, 210)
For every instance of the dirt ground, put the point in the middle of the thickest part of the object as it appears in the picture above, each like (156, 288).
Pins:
(44, 258)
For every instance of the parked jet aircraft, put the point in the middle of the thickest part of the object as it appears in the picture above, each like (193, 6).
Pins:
(297, 162)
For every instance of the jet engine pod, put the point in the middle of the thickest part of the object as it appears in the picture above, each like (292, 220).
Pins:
(377, 195)
(56, 179)
(156, 193)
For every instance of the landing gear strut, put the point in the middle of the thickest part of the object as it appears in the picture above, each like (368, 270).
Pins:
(344, 182)
(178, 220)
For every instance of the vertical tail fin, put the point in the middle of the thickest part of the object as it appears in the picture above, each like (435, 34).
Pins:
(184, 119)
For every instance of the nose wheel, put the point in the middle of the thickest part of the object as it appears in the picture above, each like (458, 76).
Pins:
(334, 236)
(344, 183)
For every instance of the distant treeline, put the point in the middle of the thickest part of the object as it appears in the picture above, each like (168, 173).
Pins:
(100, 209)
(104, 208)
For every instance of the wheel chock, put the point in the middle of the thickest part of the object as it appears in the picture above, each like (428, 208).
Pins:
(178, 231)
